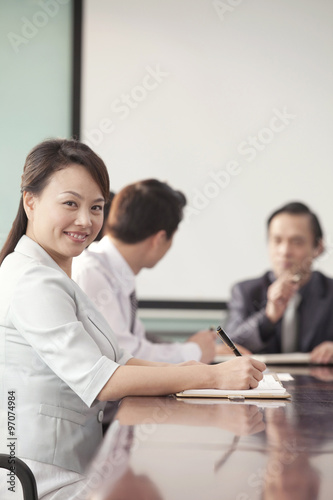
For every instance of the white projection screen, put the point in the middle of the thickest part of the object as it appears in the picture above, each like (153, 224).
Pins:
(229, 101)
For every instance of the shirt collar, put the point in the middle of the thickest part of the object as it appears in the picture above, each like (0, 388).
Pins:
(115, 261)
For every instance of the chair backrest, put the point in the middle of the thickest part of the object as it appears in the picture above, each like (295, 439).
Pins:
(23, 472)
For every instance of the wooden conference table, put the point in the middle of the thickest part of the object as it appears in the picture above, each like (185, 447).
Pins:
(164, 448)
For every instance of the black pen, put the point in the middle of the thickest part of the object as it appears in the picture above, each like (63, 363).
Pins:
(227, 341)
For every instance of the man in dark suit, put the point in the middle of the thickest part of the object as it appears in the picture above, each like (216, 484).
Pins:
(289, 308)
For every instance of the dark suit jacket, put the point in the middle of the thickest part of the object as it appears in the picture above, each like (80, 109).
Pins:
(248, 325)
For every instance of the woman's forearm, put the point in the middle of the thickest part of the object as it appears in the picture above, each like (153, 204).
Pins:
(131, 380)
(143, 362)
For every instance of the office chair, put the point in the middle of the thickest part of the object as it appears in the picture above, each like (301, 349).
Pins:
(24, 474)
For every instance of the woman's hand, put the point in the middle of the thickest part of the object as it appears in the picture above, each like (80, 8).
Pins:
(239, 373)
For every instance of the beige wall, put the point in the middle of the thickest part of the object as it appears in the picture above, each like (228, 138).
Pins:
(230, 101)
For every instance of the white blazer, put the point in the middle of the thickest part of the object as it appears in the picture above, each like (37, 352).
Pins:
(57, 352)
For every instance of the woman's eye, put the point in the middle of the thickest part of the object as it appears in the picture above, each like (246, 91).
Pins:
(70, 203)
(97, 208)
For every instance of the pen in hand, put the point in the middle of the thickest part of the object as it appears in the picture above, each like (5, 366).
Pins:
(227, 341)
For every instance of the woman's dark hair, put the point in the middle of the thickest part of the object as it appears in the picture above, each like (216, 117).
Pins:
(41, 163)
(144, 208)
(298, 208)
(106, 212)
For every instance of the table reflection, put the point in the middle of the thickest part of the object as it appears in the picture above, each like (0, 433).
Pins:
(164, 448)
(324, 373)
(194, 448)
(289, 473)
(143, 417)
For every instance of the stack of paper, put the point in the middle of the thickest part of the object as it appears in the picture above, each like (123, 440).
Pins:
(269, 387)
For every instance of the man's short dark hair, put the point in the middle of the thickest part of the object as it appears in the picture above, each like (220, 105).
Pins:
(298, 208)
(144, 208)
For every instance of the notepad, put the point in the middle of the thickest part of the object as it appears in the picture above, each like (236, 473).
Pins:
(268, 388)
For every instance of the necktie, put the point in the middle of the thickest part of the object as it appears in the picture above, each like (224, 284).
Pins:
(134, 306)
(290, 324)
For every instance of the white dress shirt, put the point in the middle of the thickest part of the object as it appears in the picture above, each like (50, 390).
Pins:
(107, 279)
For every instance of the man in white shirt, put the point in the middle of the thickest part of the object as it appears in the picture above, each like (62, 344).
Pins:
(139, 230)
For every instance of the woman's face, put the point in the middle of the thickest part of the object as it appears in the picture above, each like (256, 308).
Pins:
(66, 217)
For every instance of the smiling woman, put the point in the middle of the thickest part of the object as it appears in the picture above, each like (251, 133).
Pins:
(66, 216)
(46, 169)
(62, 358)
